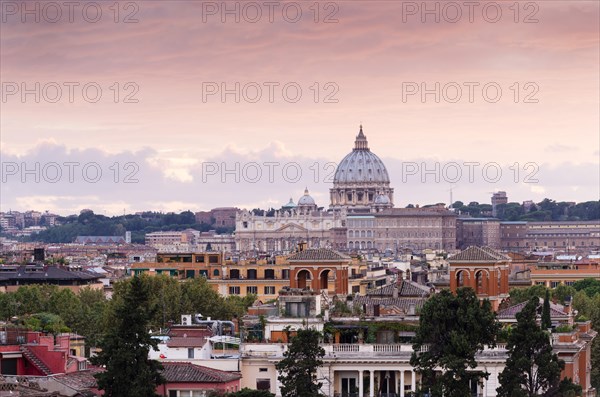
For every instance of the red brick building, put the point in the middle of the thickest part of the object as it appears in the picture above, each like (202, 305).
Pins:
(320, 269)
(483, 269)
(31, 353)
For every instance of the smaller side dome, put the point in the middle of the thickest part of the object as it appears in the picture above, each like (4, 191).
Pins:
(306, 199)
(290, 204)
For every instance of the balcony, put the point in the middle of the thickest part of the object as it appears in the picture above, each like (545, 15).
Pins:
(368, 350)
(355, 350)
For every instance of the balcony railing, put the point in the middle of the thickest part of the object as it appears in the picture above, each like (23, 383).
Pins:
(352, 350)
(356, 276)
(368, 348)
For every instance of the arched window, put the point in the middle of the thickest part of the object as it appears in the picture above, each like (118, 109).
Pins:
(216, 272)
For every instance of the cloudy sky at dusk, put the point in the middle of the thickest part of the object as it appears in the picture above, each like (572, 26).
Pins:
(154, 119)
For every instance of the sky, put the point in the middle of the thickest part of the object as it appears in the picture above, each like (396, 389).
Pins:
(175, 105)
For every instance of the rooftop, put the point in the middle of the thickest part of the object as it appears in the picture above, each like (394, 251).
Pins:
(43, 273)
(80, 380)
(185, 372)
(403, 287)
(318, 254)
(556, 311)
(479, 255)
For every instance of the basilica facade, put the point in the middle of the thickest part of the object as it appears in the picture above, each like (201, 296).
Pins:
(289, 226)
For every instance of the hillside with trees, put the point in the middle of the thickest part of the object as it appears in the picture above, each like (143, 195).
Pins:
(546, 210)
(90, 224)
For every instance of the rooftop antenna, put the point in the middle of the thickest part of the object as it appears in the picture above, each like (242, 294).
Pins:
(451, 200)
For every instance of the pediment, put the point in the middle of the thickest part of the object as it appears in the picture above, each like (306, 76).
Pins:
(291, 228)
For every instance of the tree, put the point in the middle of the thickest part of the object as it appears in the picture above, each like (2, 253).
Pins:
(126, 345)
(566, 388)
(590, 286)
(299, 366)
(562, 293)
(45, 322)
(595, 374)
(532, 367)
(518, 295)
(546, 319)
(452, 329)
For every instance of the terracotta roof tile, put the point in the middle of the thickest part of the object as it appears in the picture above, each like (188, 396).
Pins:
(179, 341)
(80, 380)
(479, 255)
(410, 288)
(405, 288)
(511, 312)
(318, 254)
(187, 372)
(402, 304)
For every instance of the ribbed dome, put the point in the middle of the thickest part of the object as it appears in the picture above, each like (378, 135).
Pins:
(361, 165)
(306, 199)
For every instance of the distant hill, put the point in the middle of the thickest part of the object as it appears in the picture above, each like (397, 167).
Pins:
(90, 224)
(546, 210)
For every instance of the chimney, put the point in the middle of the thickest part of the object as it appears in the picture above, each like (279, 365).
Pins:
(63, 341)
(411, 309)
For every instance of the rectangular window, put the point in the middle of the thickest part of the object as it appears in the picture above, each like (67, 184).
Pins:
(554, 284)
(234, 290)
(251, 290)
(285, 274)
(569, 283)
(191, 352)
(263, 369)
(187, 393)
(269, 290)
(296, 309)
(263, 384)
(190, 273)
(385, 337)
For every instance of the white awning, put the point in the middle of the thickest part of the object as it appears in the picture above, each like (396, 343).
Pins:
(225, 339)
(11, 354)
